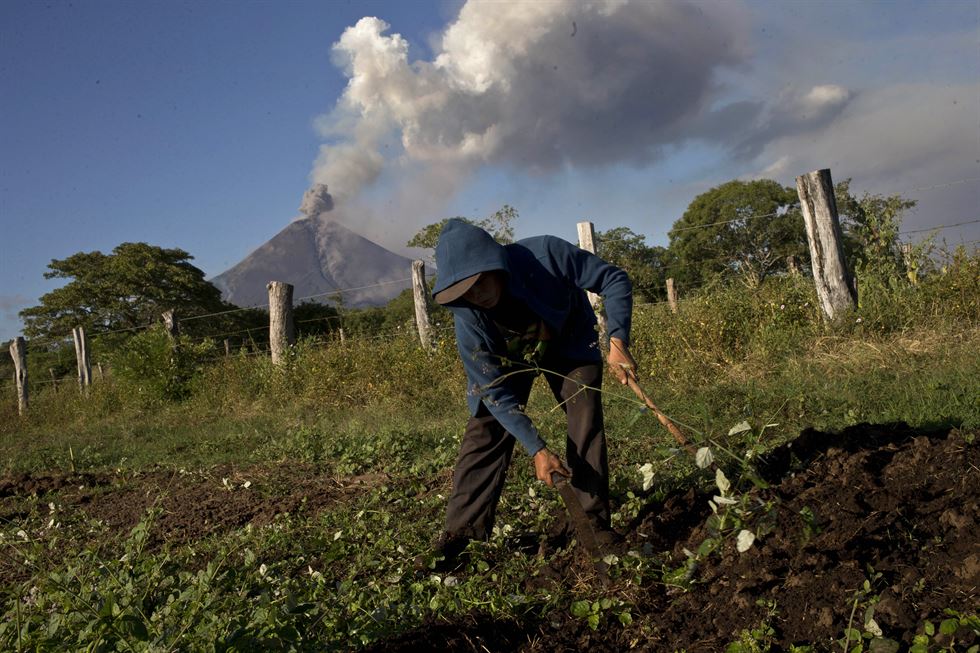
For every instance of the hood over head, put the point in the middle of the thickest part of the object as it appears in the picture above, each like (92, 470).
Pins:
(464, 251)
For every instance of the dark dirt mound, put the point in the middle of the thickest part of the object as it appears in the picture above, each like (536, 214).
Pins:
(883, 504)
(886, 504)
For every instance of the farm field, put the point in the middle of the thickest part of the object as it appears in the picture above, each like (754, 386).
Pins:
(284, 509)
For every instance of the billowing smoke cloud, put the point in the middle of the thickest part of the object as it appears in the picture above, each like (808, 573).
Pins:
(792, 112)
(316, 200)
(533, 85)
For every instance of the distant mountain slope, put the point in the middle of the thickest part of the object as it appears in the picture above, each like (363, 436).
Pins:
(318, 255)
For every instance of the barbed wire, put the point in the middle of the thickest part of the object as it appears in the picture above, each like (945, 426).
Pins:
(935, 186)
(600, 239)
(939, 227)
(776, 213)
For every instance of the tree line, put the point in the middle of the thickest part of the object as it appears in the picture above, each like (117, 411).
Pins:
(743, 231)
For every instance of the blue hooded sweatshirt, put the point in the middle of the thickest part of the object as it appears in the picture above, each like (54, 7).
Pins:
(550, 276)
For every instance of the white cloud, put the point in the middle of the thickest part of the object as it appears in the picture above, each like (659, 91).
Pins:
(537, 86)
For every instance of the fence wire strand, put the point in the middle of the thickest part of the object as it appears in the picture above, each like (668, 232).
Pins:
(340, 291)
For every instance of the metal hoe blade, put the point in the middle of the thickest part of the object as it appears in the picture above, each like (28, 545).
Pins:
(581, 524)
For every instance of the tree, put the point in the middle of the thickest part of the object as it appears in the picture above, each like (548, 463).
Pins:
(128, 288)
(399, 313)
(645, 265)
(739, 228)
(499, 225)
(871, 227)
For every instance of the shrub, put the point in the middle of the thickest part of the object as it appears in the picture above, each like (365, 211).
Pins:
(154, 371)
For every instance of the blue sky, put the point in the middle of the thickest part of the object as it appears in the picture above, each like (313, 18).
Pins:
(199, 125)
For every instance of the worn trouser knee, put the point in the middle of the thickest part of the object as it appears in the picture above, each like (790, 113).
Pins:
(479, 476)
(577, 388)
(487, 449)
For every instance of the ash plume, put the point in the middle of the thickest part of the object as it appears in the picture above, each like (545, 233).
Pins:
(543, 87)
(536, 87)
(316, 200)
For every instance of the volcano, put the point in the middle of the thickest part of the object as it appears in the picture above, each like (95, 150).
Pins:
(324, 261)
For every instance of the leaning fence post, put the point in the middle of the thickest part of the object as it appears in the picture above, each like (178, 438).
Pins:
(420, 292)
(586, 240)
(18, 351)
(282, 333)
(82, 357)
(671, 295)
(835, 285)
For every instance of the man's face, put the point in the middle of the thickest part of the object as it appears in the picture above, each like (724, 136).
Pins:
(486, 292)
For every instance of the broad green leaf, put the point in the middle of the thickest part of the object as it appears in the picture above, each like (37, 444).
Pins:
(133, 627)
(722, 481)
(647, 471)
(744, 540)
(703, 458)
(741, 427)
(580, 609)
(872, 627)
(883, 645)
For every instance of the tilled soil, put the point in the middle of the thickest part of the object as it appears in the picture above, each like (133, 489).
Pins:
(889, 505)
(188, 506)
(885, 504)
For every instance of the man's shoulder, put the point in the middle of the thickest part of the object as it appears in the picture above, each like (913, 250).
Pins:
(544, 241)
(539, 247)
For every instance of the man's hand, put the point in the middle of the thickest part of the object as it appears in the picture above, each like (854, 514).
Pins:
(621, 361)
(545, 463)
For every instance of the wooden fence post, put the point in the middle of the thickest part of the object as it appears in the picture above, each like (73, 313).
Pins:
(98, 366)
(911, 265)
(172, 326)
(835, 285)
(82, 357)
(282, 333)
(18, 351)
(342, 340)
(791, 266)
(671, 295)
(586, 240)
(420, 291)
(227, 347)
(54, 380)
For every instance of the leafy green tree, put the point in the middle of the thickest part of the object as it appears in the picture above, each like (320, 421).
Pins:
(398, 314)
(645, 265)
(314, 319)
(499, 225)
(128, 288)
(872, 226)
(741, 228)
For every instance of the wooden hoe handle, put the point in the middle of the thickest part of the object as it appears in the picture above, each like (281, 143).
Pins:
(666, 421)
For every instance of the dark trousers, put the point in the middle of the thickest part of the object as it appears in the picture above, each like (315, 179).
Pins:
(486, 450)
